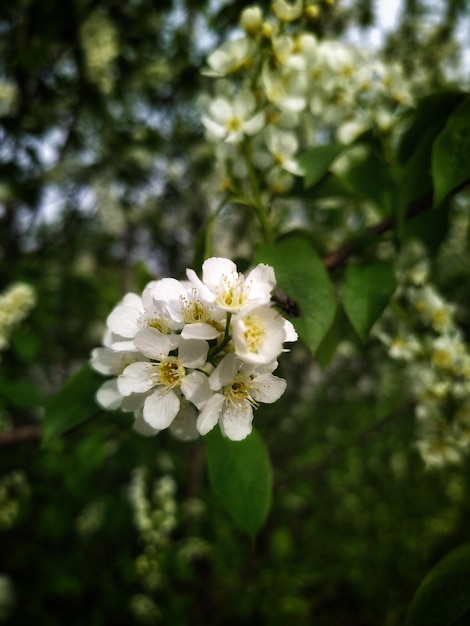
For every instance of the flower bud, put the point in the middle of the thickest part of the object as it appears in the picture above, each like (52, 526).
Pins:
(285, 11)
(251, 20)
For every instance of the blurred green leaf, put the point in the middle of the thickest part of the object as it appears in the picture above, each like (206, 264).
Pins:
(366, 292)
(431, 227)
(369, 178)
(301, 275)
(20, 392)
(451, 153)
(443, 597)
(316, 161)
(240, 475)
(73, 404)
(432, 111)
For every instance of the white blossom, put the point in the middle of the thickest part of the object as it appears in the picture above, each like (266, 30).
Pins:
(223, 286)
(231, 119)
(186, 355)
(237, 391)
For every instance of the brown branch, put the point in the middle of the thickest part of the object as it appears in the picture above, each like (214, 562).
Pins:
(338, 257)
(18, 435)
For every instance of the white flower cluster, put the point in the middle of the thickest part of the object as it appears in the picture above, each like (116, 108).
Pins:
(186, 355)
(285, 90)
(438, 366)
(15, 304)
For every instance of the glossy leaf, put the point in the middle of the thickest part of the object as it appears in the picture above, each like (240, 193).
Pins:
(316, 161)
(366, 292)
(240, 475)
(301, 276)
(451, 153)
(443, 597)
(73, 404)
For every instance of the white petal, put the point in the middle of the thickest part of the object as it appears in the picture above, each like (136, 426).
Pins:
(168, 293)
(221, 110)
(195, 388)
(209, 415)
(204, 292)
(137, 378)
(152, 343)
(268, 388)
(262, 281)
(124, 346)
(103, 360)
(108, 395)
(214, 268)
(193, 352)
(160, 409)
(124, 320)
(244, 103)
(184, 426)
(291, 333)
(236, 422)
(224, 372)
(134, 301)
(213, 127)
(255, 124)
(199, 330)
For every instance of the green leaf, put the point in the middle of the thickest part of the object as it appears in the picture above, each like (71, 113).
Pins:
(443, 597)
(366, 292)
(316, 161)
(240, 476)
(432, 110)
(451, 153)
(415, 175)
(369, 178)
(339, 330)
(73, 404)
(20, 392)
(431, 227)
(301, 276)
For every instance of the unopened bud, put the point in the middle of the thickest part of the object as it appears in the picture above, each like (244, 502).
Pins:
(285, 11)
(312, 12)
(251, 20)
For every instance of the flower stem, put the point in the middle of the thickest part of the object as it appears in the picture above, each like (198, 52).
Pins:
(257, 200)
(227, 338)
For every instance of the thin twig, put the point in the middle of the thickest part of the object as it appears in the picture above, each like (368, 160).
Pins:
(338, 257)
(18, 435)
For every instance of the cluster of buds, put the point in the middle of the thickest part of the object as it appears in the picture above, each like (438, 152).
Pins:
(186, 355)
(437, 359)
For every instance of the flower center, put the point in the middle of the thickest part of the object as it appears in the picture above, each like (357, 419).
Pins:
(255, 331)
(234, 124)
(239, 392)
(194, 312)
(171, 372)
(160, 323)
(231, 291)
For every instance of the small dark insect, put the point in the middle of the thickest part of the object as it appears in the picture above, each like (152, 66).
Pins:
(286, 304)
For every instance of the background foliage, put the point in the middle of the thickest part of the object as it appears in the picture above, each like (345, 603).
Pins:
(102, 169)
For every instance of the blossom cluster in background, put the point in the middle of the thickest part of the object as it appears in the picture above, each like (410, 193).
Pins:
(285, 90)
(186, 355)
(428, 341)
(15, 304)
